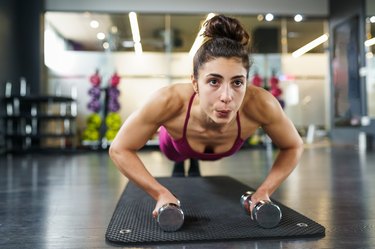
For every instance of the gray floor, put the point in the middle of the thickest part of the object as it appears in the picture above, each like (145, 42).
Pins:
(66, 200)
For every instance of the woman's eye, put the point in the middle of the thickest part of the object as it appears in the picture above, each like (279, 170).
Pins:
(213, 82)
(238, 83)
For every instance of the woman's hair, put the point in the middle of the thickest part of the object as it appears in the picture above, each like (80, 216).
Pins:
(223, 37)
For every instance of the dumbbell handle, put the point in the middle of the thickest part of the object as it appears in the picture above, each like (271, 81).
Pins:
(246, 201)
(265, 212)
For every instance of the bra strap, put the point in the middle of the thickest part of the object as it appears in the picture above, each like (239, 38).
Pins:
(188, 115)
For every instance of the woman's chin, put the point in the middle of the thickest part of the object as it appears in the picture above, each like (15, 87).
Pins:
(220, 120)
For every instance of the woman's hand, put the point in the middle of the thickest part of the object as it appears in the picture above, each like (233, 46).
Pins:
(165, 198)
(259, 195)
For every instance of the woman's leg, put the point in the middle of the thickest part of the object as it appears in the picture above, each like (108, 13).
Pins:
(194, 167)
(178, 169)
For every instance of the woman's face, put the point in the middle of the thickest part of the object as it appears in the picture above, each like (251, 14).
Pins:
(221, 85)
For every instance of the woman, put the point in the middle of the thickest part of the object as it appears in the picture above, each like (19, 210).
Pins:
(210, 118)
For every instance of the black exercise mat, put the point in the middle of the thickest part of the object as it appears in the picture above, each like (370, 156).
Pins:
(212, 212)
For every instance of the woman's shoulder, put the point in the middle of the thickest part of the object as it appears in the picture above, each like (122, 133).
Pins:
(169, 101)
(260, 105)
(175, 94)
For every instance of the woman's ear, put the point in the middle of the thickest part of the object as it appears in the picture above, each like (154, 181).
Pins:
(195, 83)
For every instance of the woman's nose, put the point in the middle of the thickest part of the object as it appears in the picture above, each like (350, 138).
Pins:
(225, 95)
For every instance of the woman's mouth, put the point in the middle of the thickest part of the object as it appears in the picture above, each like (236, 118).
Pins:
(223, 113)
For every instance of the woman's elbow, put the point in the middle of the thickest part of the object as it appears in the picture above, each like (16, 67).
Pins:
(299, 146)
(114, 151)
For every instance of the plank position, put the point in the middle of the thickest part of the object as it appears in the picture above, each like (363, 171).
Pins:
(209, 118)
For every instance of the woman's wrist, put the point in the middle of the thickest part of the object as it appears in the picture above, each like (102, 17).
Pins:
(160, 192)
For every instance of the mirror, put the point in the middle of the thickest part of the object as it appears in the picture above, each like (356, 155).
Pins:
(73, 53)
(175, 33)
(370, 60)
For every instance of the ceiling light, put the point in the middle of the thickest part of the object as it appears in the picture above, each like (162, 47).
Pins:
(310, 46)
(127, 44)
(138, 48)
(199, 39)
(100, 36)
(269, 17)
(298, 18)
(260, 18)
(370, 42)
(114, 29)
(134, 27)
(293, 34)
(135, 32)
(94, 24)
(372, 19)
(105, 45)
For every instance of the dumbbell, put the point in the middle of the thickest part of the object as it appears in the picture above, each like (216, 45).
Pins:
(266, 213)
(170, 217)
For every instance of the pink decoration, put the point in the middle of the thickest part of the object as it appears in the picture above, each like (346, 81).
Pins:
(274, 81)
(275, 91)
(115, 80)
(257, 80)
(95, 79)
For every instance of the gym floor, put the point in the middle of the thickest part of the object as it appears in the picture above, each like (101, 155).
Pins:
(66, 200)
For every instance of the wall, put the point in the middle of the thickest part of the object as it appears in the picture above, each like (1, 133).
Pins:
(370, 7)
(8, 65)
(142, 75)
(309, 73)
(307, 7)
(20, 43)
(370, 85)
(370, 62)
(341, 10)
(29, 16)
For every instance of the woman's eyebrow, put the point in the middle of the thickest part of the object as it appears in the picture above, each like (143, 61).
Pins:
(220, 76)
(238, 76)
(214, 75)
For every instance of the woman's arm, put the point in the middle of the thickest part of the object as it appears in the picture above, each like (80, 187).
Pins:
(133, 135)
(284, 135)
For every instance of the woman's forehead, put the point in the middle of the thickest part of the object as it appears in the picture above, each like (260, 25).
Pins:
(224, 65)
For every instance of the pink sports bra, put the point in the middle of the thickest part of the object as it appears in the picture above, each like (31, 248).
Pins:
(179, 149)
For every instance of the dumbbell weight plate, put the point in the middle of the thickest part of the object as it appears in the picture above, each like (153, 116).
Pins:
(170, 217)
(267, 214)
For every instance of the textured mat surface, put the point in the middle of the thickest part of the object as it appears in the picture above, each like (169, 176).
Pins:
(212, 212)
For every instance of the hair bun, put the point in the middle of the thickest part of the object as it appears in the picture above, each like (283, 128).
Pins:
(221, 26)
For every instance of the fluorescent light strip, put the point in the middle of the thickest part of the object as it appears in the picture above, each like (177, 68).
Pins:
(199, 39)
(138, 48)
(135, 32)
(370, 42)
(310, 46)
